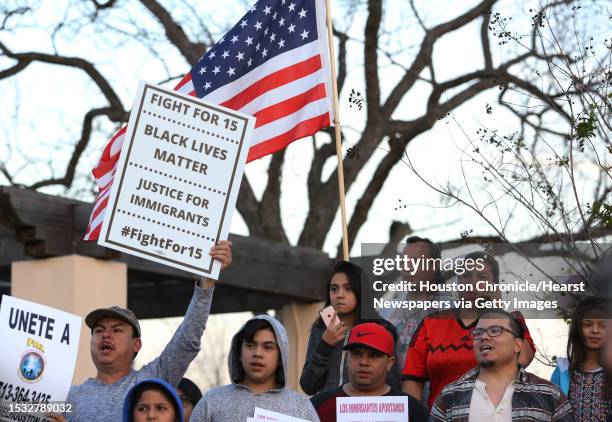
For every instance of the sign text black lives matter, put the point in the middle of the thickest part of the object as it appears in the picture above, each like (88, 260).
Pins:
(177, 180)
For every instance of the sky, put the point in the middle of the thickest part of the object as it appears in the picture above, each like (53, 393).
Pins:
(47, 103)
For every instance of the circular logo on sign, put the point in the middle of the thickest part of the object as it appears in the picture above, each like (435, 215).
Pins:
(31, 366)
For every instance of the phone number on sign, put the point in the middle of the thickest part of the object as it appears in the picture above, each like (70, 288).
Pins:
(40, 407)
(9, 392)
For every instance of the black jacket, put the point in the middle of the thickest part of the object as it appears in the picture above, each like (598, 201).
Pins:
(324, 362)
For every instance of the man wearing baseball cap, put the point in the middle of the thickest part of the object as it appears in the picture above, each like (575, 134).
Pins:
(115, 342)
(371, 355)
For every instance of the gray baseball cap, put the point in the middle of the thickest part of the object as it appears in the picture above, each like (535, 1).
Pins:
(113, 312)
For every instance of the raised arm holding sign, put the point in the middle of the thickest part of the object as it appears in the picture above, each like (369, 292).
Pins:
(115, 342)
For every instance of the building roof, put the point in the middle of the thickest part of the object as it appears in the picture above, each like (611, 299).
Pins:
(264, 274)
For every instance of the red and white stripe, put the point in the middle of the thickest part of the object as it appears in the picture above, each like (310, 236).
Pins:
(289, 101)
(288, 94)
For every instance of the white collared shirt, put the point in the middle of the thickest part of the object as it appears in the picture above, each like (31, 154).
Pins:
(482, 409)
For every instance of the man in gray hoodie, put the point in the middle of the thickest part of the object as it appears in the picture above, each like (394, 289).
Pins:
(115, 341)
(257, 363)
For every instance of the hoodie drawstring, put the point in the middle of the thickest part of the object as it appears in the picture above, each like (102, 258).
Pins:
(346, 337)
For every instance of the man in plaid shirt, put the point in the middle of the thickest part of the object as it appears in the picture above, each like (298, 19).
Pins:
(499, 389)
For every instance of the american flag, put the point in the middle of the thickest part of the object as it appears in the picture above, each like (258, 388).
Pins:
(273, 64)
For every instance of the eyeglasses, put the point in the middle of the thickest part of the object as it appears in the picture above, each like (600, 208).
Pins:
(492, 331)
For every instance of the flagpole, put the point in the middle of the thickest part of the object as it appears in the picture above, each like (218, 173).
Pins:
(338, 132)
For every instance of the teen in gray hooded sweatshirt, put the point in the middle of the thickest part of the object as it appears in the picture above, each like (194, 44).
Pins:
(252, 348)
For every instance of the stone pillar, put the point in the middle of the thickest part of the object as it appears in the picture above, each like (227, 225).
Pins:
(297, 320)
(74, 284)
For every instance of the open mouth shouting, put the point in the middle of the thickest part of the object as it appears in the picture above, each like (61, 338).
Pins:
(106, 347)
(485, 348)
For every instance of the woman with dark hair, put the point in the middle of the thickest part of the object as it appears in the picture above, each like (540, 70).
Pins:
(580, 375)
(152, 399)
(605, 360)
(190, 395)
(325, 367)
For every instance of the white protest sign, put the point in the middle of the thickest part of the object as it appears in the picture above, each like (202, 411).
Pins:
(177, 179)
(37, 357)
(372, 409)
(268, 415)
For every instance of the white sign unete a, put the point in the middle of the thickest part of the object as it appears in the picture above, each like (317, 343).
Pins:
(177, 180)
(37, 357)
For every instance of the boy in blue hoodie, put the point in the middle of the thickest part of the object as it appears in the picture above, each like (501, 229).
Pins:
(257, 362)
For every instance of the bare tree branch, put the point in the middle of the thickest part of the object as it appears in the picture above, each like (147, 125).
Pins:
(371, 64)
(320, 218)
(578, 236)
(424, 54)
(248, 207)
(14, 70)
(68, 177)
(417, 16)
(192, 51)
(546, 100)
(364, 204)
(107, 5)
(342, 40)
(484, 39)
(25, 59)
(10, 13)
(6, 174)
(269, 210)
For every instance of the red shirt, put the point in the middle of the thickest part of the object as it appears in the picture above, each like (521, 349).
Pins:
(441, 351)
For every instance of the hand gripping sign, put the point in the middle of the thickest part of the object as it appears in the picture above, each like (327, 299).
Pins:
(37, 359)
(177, 179)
